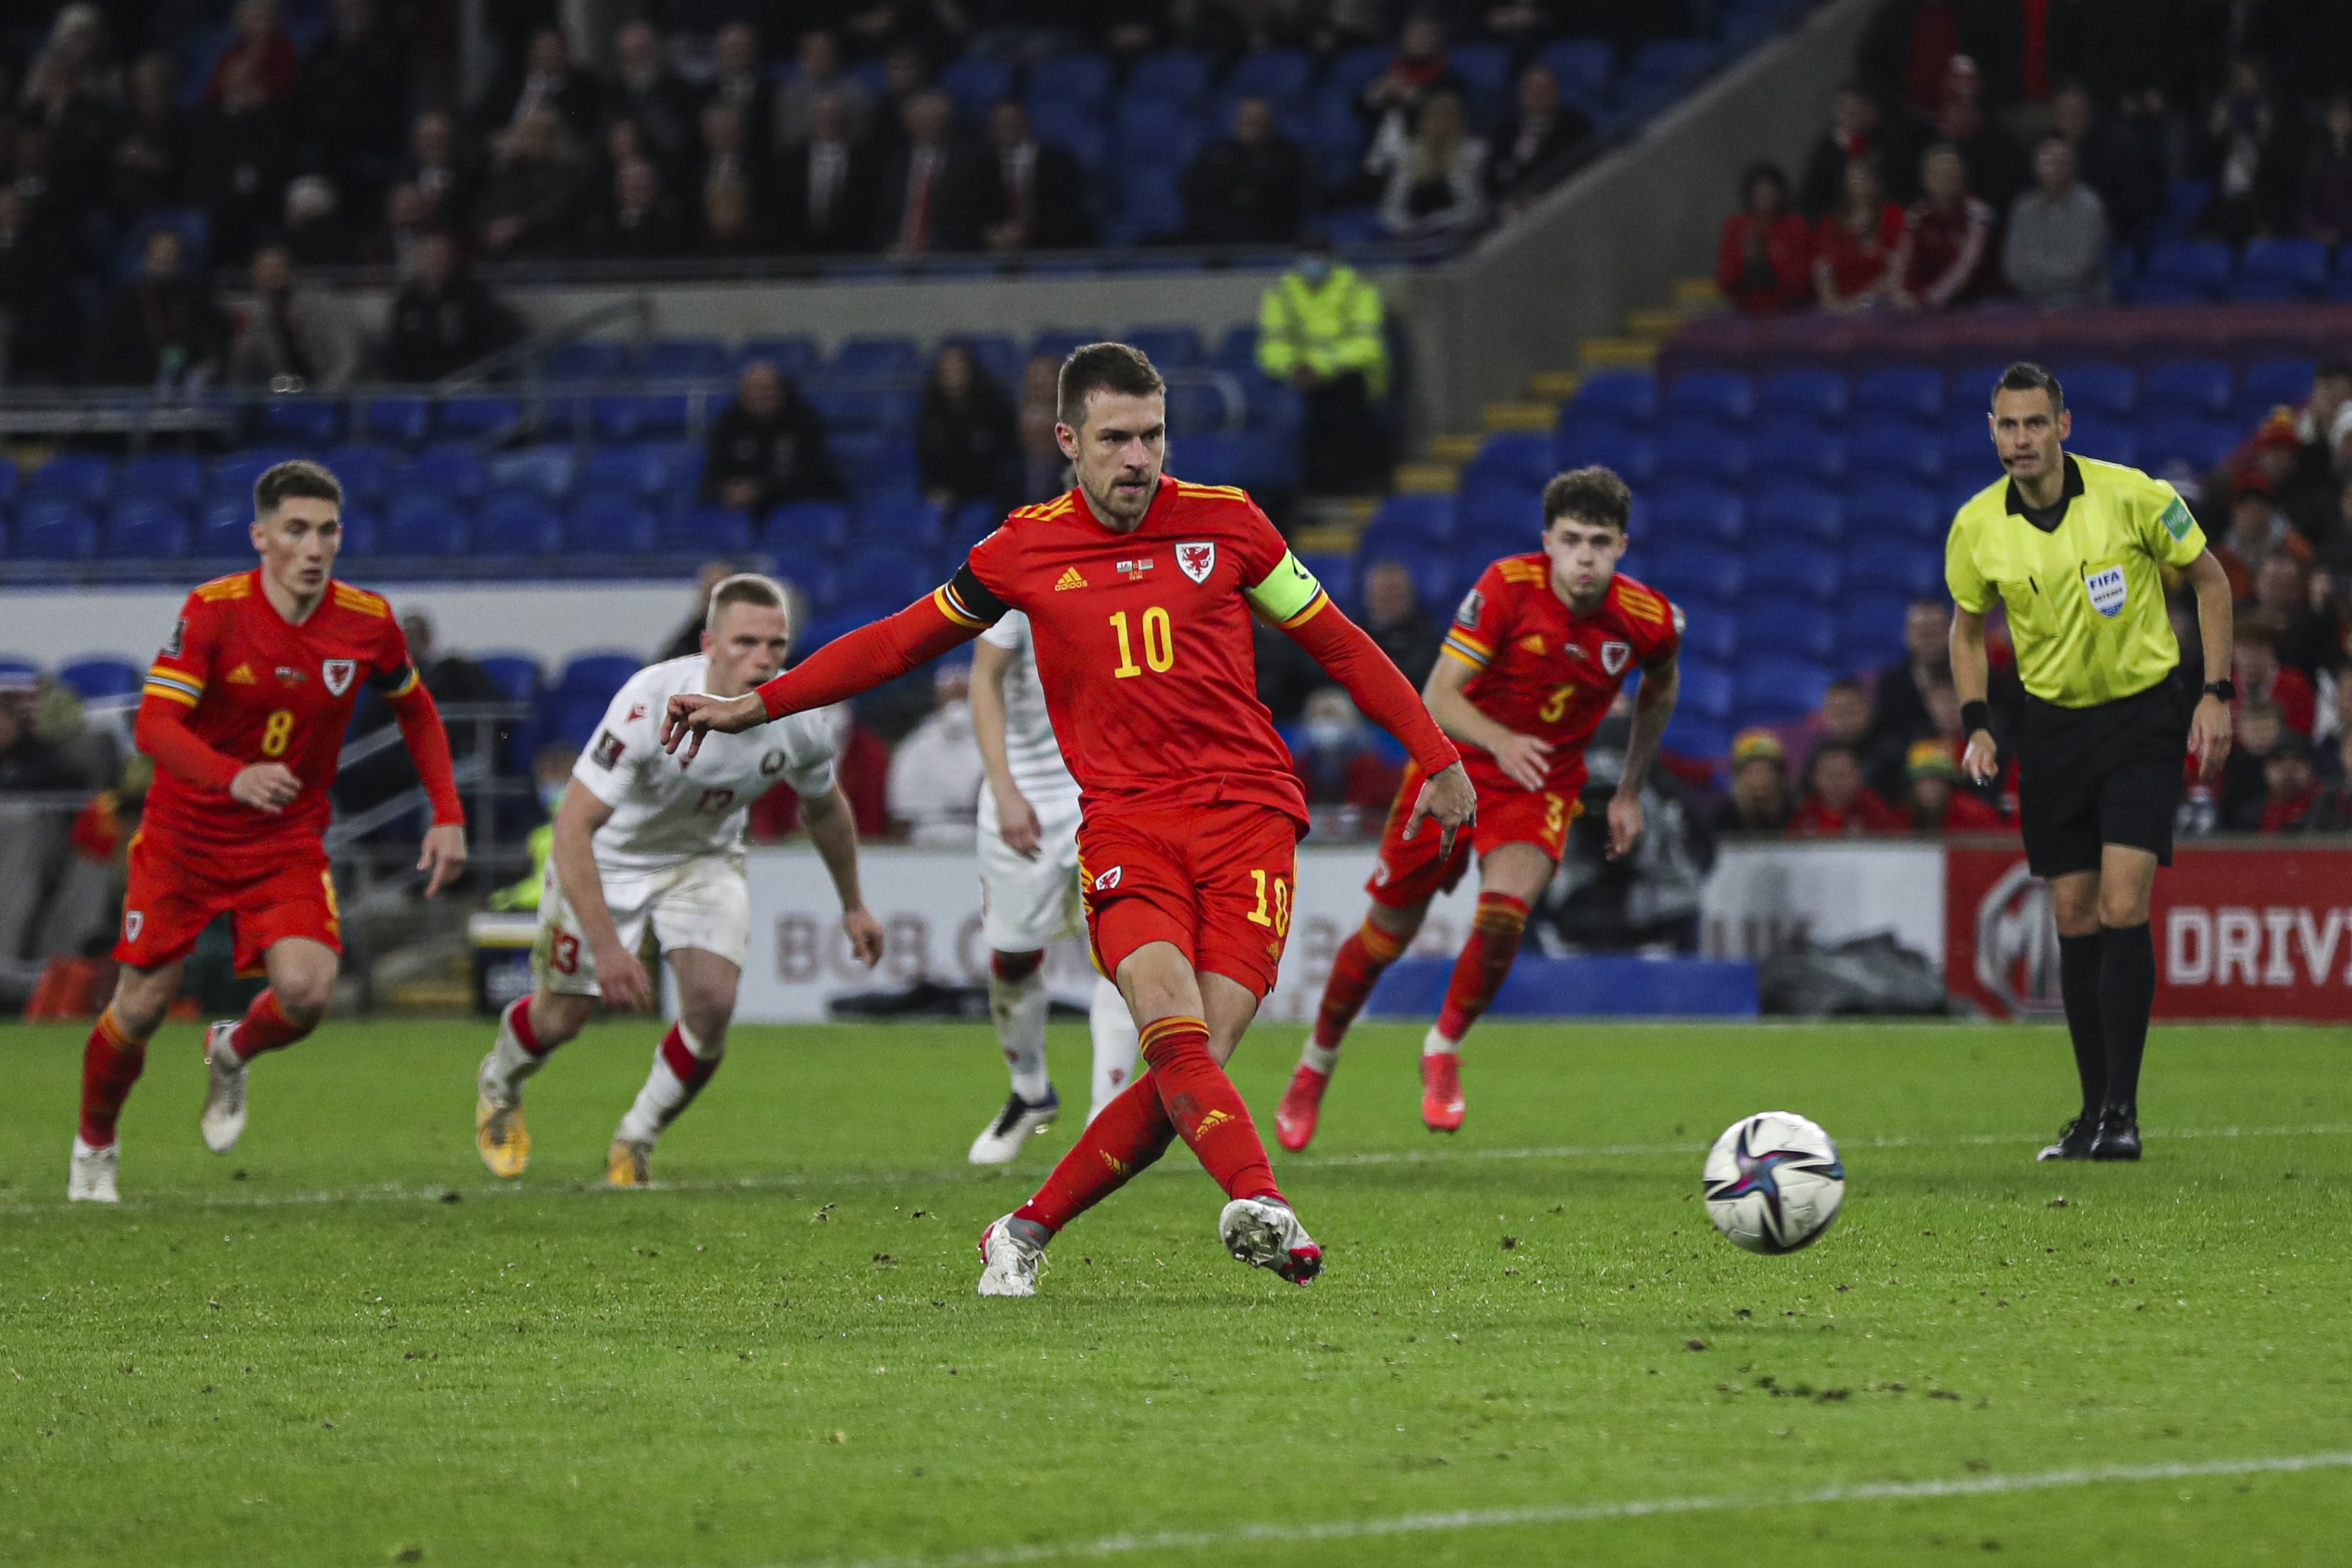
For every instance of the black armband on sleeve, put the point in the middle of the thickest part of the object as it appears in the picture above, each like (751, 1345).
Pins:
(970, 598)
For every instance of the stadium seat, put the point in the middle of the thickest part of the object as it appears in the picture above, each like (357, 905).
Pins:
(1888, 510)
(1870, 628)
(1802, 513)
(476, 418)
(873, 463)
(1196, 407)
(1701, 450)
(2278, 269)
(2181, 270)
(7, 482)
(609, 525)
(424, 524)
(1173, 76)
(685, 358)
(1771, 626)
(2270, 383)
(818, 527)
(1725, 396)
(2109, 440)
(224, 529)
(899, 522)
(2196, 386)
(2201, 443)
(1660, 71)
(363, 530)
(1915, 391)
(1968, 450)
(1426, 517)
(1880, 446)
(174, 477)
(1237, 351)
(1631, 396)
(84, 478)
(1709, 635)
(999, 356)
(1077, 130)
(592, 360)
(448, 468)
(1281, 77)
(1774, 690)
(400, 420)
(1434, 571)
(1210, 458)
(976, 81)
(706, 530)
(1684, 512)
(516, 678)
(639, 416)
(877, 354)
(310, 421)
(1787, 447)
(1074, 77)
(575, 704)
(1810, 391)
(147, 528)
(890, 574)
(1893, 567)
(794, 354)
(547, 470)
(1173, 347)
(53, 528)
(364, 469)
(517, 522)
(1634, 456)
(641, 470)
(1805, 569)
(1583, 66)
(95, 680)
(1689, 734)
(1524, 457)
(2098, 385)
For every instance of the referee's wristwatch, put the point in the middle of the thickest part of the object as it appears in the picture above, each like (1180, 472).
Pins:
(2225, 690)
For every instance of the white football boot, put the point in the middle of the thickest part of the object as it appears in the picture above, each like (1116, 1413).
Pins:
(90, 1178)
(1267, 1235)
(1019, 1120)
(223, 1120)
(1010, 1259)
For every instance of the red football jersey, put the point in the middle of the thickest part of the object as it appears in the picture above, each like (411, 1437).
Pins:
(1544, 671)
(261, 690)
(1144, 642)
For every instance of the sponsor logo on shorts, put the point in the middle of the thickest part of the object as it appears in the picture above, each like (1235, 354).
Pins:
(337, 675)
(2107, 590)
(1615, 655)
(1107, 880)
(607, 750)
(1197, 560)
(1474, 604)
(134, 921)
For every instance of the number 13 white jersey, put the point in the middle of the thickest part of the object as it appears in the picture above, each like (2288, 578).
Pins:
(665, 814)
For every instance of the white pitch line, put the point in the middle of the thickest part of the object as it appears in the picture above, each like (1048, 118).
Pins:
(1575, 1513)
(396, 1192)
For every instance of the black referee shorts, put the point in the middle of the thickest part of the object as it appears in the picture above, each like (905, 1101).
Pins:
(2105, 775)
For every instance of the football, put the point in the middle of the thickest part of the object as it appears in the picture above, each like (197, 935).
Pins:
(1773, 1182)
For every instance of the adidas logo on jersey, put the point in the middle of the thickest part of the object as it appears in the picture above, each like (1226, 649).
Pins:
(1532, 642)
(241, 676)
(1070, 580)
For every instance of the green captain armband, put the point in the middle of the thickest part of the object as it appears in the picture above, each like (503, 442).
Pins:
(1288, 591)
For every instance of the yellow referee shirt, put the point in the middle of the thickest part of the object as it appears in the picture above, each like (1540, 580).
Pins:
(2084, 598)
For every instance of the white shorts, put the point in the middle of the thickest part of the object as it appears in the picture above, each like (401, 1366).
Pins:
(705, 903)
(1028, 904)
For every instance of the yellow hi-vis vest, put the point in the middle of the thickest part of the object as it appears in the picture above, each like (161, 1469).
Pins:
(1331, 330)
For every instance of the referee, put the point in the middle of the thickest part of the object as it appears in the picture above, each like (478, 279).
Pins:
(2078, 550)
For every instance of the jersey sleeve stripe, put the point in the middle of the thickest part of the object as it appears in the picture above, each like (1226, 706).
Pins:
(174, 693)
(1470, 643)
(1475, 661)
(185, 687)
(1315, 607)
(952, 607)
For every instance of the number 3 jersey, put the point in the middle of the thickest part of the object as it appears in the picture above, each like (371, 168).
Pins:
(667, 811)
(1544, 671)
(261, 689)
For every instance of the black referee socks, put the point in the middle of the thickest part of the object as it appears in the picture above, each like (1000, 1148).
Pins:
(2078, 984)
(2126, 996)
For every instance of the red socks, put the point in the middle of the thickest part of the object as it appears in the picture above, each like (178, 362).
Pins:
(1355, 970)
(1486, 958)
(1210, 1114)
(265, 1027)
(110, 1064)
(1131, 1133)
(1015, 968)
(692, 1070)
(518, 1021)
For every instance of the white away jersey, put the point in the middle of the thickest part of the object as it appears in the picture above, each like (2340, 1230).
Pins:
(1029, 748)
(665, 813)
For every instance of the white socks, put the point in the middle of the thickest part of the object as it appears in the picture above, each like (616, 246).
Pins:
(509, 1063)
(1436, 1044)
(1018, 1009)
(1321, 1058)
(1116, 1044)
(682, 1065)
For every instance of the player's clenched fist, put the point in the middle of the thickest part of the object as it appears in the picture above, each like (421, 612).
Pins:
(1449, 798)
(266, 786)
(696, 714)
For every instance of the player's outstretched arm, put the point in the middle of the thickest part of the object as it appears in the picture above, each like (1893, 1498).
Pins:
(833, 829)
(1654, 704)
(877, 651)
(442, 856)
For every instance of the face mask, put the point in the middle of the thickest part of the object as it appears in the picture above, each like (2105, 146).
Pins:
(1315, 269)
(1326, 734)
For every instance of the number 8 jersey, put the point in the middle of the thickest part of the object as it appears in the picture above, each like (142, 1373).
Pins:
(666, 811)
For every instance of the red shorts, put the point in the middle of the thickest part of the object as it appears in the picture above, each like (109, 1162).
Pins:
(172, 897)
(1215, 881)
(1409, 873)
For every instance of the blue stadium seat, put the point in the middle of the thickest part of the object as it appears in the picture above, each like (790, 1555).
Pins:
(1337, 138)
(448, 468)
(1886, 510)
(1690, 735)
(642, 470)
(1690, 575)
(547, 470)
(2274, 269)
(1802, 513)
(816, 526)
(1701, 449)
(639, 416)
(812, 575)
(1173, 76)
(796, 354)
(1074, 77)
(2196, 386)
(575, 704)
(1780, 626)
(2201, 443)
(1158, 131)
(1058, 343)
(1524, 457)
(873, 463)
(364, 469)
(84, 478)
(685, 358)
(1894, 566)
(1870, 628)
(976, 81)
(1426, 517)
(1784, 446)
(1197, 407)
(402, 421)
(902, 522)
(1968, 449)
(2109, 440)
(1880, 446)
(1238, 351)
(1807, 391)
(890, 574)
(175, 476)
(1628, 395)
(476, 418)
(309, 421)
(1634, 457)
(590, 360)
(363, 530)
(424, 524)
(1485, 68)
(707, 529)
(516, 676)
(517, 522)
(94, 680)
(1709, 635)
(877, 354)
(1916, 391)
(1771, 691)
(2098, 385)
(1725, 396)
(1210, 457)
(224, 529)
(997, 354)
(1077, 130)
(147, 528)
(1281, 77)
(1805, 569)
(2180, 270)
(1693, 513)
(7, 482)
(1583, 65)
(609, 525)
(1435, 571)
(53, 528)
(1171, 348)
(2270, 383)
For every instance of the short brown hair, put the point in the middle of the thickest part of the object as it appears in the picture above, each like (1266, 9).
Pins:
(1594, 495)
(295, 476)
(1103, 367)
(744, 588)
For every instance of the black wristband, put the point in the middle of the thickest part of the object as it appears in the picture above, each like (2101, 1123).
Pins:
(1974, 717)
(2226, 690)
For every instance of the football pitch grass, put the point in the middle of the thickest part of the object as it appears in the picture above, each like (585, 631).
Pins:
(345, 1343)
